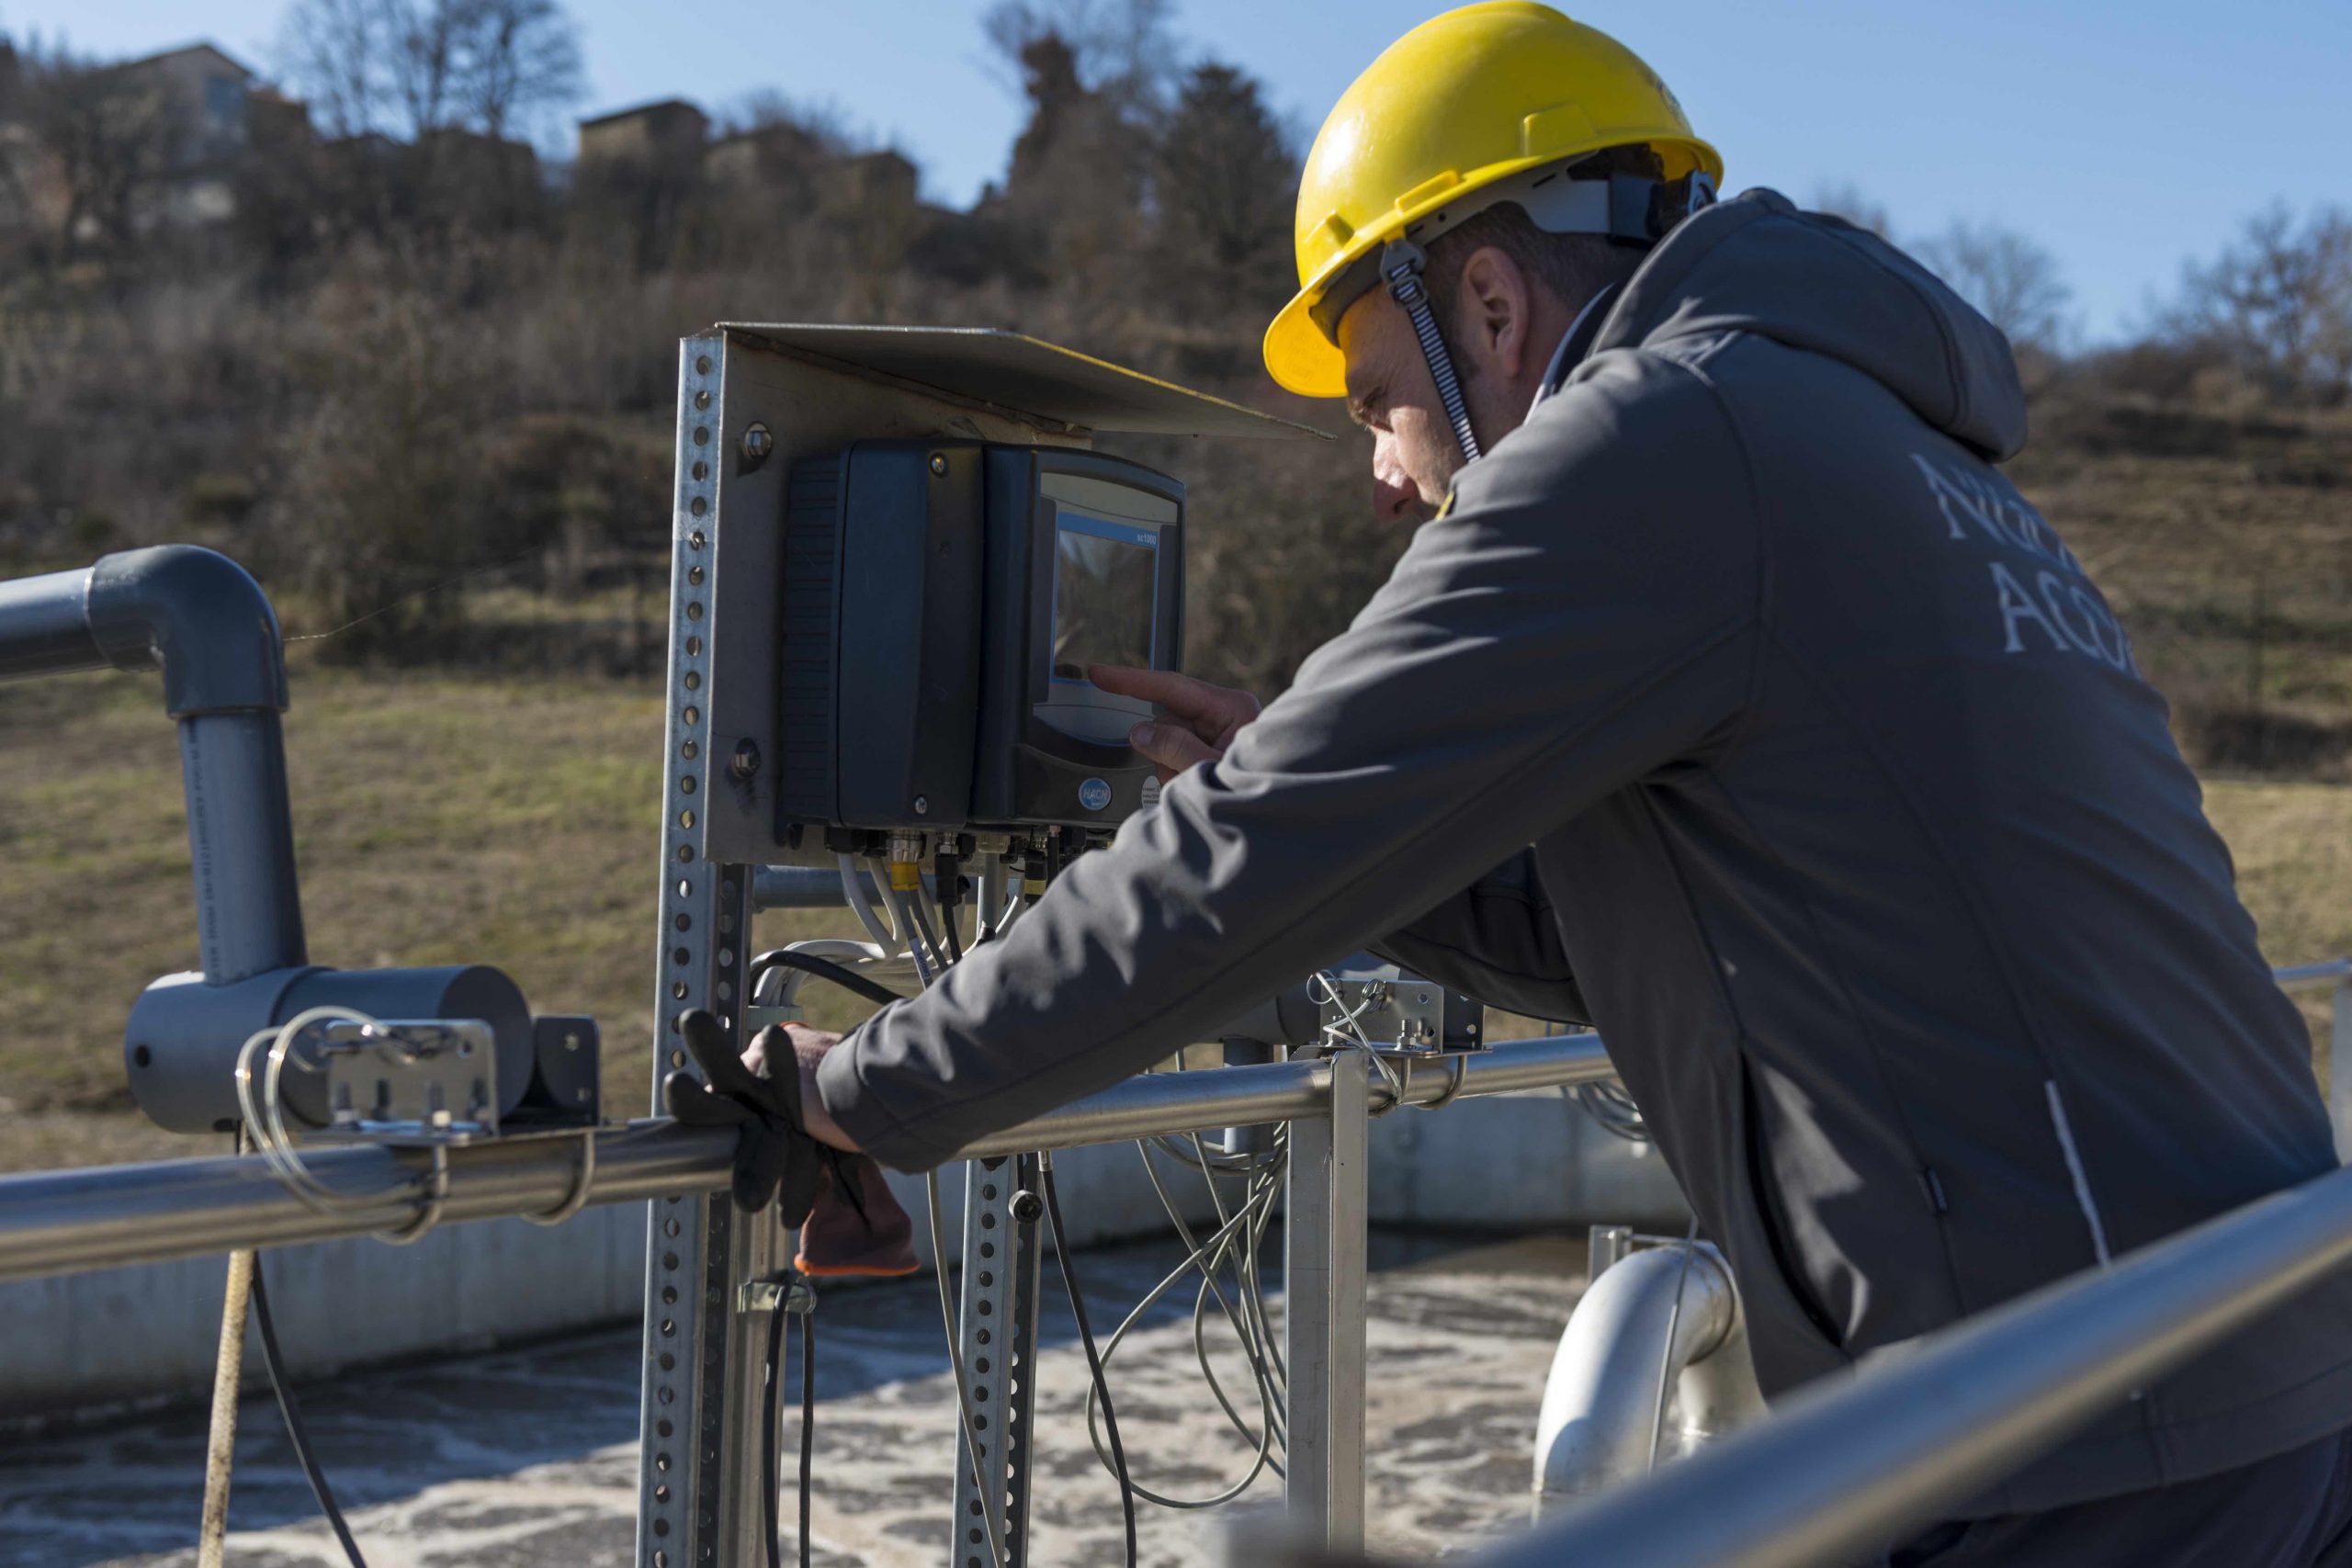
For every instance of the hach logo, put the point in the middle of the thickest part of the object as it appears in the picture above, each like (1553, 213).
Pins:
(1094, 794)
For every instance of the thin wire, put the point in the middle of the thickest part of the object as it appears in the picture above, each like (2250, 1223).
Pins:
(1086, 1339)
(980, 1479)
(1345, 1033)
(465, 576)
(1151, 1298)
(1209, 1287)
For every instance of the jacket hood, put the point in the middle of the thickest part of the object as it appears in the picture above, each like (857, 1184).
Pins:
(1759, 265)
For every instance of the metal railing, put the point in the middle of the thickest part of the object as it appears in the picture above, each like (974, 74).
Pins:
(62, 1221)
(1846, 1465)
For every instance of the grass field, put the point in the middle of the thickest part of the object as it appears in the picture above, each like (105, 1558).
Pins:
(441, 820)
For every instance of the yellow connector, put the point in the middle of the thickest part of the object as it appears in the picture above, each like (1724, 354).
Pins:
(905, 875)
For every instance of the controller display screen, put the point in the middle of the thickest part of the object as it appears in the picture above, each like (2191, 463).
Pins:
(1106, 579)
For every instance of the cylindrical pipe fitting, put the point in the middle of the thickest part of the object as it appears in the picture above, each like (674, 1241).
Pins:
(1616, 1361)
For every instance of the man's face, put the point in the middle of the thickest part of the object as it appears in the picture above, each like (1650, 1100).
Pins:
(1414, 454)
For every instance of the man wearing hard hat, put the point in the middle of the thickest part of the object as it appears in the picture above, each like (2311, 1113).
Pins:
(1760, 722)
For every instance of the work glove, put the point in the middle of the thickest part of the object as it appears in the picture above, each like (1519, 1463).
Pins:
(850, 1223)
(776, 1161)
(857, 1226)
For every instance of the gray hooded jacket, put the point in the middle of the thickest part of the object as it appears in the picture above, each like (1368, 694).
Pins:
(1853, 827)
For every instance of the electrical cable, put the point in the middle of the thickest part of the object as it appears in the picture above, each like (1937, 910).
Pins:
(807, 1424)
(770, 1505)
(1261, 1199)
(297, 1431)
(925, 968)
(1086, 1339)
(824, 969)
(1241, 1331)
(853, 894)
(915, 907)
(770, 1418)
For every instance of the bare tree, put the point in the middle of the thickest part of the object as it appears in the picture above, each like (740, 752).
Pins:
(2279, 303)
(338, 52)
(1122, 49)
(106, 135)
(414, 67)
(522, 57)
(2012, 280)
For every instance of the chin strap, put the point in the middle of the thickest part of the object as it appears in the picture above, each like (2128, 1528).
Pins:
(1400, 267)
(1637, 212)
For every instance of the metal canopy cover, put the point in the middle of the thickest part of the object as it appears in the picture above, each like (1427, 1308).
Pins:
(1025, 376)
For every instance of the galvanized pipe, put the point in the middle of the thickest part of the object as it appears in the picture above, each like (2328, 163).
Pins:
(1852, 1463)
(62, 1221)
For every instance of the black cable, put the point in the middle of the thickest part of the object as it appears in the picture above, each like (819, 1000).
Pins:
(296, 1431)
(824, 969)
(772, 1385)
(775, 1373)
(808, 1423)
(1094, 1360)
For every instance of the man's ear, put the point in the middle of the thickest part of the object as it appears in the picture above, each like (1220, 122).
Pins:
(1493, 305)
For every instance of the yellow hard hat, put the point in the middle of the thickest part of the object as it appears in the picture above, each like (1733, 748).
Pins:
(1460, 103)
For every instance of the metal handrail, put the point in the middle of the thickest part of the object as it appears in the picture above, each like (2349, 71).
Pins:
(1850, 1462)
(62, 1221)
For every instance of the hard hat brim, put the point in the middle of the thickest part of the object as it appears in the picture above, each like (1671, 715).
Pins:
(1299, 357)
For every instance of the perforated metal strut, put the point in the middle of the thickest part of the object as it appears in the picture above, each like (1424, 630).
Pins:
(699, 1481)
(1401, 265)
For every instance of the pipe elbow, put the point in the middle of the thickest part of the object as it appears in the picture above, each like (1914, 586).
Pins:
(196, 616)
(1600, 1404)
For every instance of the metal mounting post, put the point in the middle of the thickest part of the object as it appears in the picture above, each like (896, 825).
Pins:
(997, 1324)
(697, 1503)
(1323, 1311)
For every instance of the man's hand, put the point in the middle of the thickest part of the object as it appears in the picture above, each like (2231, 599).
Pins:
(809, 1048)
(1197, 721)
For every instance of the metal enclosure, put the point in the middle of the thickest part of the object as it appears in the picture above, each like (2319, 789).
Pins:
(752, 401)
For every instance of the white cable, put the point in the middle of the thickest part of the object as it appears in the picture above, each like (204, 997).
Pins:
(853, 894)
(923, 970)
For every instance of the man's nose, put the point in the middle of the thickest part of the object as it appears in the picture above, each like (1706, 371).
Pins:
(1395, 498)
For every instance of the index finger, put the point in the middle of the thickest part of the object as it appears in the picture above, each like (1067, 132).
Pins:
(1181, 694)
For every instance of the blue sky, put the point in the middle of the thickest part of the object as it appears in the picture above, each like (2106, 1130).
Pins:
(2125, 136)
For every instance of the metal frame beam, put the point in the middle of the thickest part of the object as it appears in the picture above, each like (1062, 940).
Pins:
(692, 1509)
(1324, 1267)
